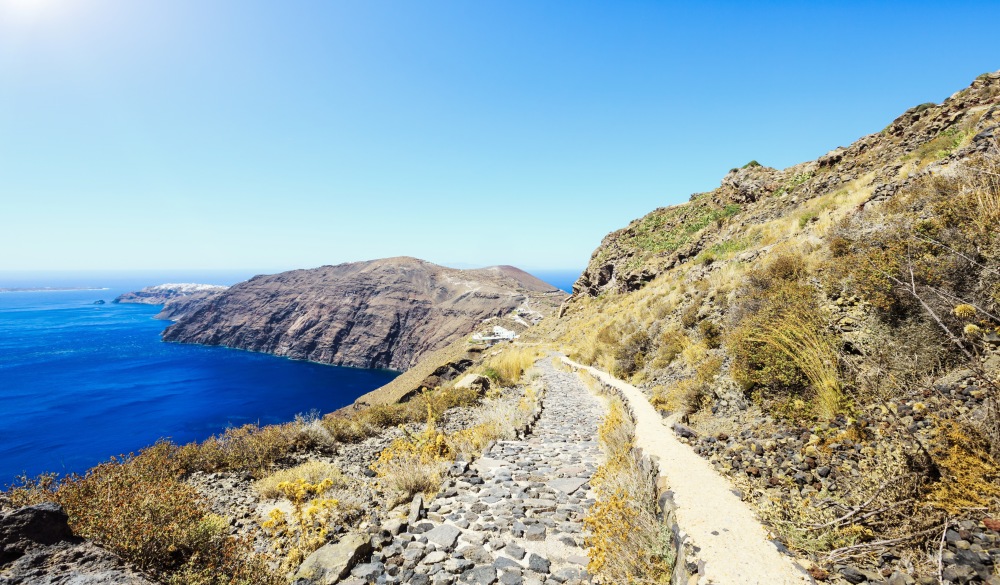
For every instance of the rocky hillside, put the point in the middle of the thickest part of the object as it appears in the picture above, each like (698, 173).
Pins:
(377, 314)
(830, 335)
(925, 139)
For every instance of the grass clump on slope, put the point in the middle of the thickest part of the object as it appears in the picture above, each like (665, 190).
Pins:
(626, 542)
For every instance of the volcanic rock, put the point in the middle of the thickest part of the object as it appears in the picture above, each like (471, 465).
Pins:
(376, 314)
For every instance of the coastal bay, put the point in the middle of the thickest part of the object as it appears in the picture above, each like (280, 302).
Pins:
(100, 382)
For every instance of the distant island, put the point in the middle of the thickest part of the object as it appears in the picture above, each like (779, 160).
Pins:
(49, 289)
(177, 298)
(162, 293)
(382, 314)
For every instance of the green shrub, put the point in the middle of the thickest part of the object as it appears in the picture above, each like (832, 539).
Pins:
(756, 362)
(711, 333)
(631, 353)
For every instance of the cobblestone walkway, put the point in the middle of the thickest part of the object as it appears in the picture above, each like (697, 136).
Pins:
(515, 515)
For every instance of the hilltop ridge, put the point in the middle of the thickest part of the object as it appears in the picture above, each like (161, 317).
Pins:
(923, 140)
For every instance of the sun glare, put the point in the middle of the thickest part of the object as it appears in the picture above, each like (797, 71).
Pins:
(30, 8)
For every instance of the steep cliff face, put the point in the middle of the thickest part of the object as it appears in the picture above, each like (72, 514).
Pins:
(175, 308)
(377, 314)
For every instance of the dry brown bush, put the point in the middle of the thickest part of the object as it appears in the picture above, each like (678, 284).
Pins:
(626, 541)
(250, 448)
(969, 474)
(881, 504)
(137, 507)
(632, 351)
(357, 425)
(671, 344)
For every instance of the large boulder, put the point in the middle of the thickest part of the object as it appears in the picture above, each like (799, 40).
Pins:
(32, 526)
(333, 561)
(37, 547)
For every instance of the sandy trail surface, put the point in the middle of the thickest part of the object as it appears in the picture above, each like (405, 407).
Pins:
(733, 544)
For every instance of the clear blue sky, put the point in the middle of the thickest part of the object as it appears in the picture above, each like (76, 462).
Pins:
(238, 134)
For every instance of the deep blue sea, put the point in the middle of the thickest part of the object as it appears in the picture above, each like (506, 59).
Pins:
(81, 382)
(561, 279)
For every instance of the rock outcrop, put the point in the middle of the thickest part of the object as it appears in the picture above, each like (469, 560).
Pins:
(376, 314)
(333, 561)
(37, 547)
(629, 258)
(177, 307)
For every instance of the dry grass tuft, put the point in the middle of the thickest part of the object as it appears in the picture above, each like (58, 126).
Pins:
(413, 464)
(626, 542)
(508, 367)
(497, 420)
(780, 343)
(416, 462)
(815, 354)
(312, 472)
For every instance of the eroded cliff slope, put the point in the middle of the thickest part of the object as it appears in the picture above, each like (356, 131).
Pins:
(376, 314)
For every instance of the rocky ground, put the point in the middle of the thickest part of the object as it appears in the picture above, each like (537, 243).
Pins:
(232, 495)
(37, 547)
(514, 515)
(774, 460)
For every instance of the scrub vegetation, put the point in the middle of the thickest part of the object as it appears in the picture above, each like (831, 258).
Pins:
(857, 309)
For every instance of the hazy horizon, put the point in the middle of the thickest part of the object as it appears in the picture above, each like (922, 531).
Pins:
(134, 279)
